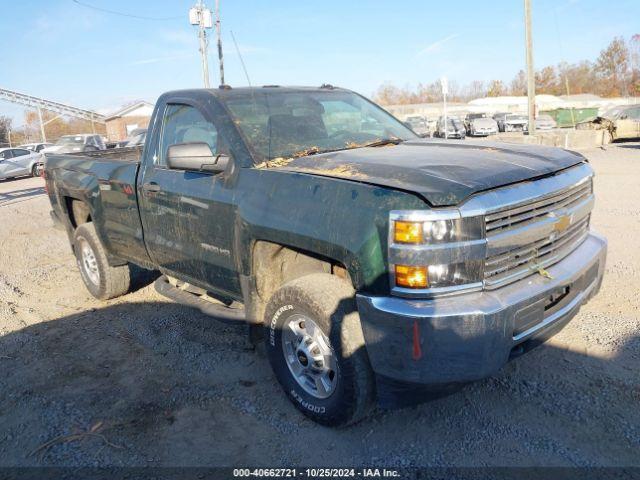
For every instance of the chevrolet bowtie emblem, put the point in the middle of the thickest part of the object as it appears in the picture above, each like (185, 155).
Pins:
(562, 223)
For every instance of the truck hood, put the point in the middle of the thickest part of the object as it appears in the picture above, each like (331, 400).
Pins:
(444, 173)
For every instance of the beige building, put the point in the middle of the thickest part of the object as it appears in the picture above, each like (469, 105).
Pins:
(120, 124)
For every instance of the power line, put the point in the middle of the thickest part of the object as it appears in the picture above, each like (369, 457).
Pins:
(122, 14)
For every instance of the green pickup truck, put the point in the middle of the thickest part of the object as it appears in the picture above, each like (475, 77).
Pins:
(374, 265)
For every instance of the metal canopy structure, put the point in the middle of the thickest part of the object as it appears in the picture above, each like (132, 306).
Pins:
(57, 107)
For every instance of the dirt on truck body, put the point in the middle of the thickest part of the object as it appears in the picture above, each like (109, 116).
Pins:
(375, 266)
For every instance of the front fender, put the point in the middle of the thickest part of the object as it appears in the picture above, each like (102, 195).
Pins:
(342, 220)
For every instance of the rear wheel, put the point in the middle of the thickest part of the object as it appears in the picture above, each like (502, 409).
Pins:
(102, 280)
(316, 348)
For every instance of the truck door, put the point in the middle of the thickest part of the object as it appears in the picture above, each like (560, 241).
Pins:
(188, 216)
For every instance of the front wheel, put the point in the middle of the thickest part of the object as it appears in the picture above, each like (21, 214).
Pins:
(102, 280)
(316, 348)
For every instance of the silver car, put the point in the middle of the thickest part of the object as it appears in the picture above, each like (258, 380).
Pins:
(482, 127)
(16, 162)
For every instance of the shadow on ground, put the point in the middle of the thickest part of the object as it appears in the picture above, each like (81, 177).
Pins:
(155, 383)
(19, 195)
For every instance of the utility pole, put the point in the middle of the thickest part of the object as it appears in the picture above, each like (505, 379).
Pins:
(201, 16)
(218, 33)
(42, 134)
(444, 83)
(531, 82)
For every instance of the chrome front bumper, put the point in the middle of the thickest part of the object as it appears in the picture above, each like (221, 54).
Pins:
(470, 336)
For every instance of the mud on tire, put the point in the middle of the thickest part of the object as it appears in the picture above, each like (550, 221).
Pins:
(329, 302)
(102, 280)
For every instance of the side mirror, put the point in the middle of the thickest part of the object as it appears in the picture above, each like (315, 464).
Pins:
(196, 156)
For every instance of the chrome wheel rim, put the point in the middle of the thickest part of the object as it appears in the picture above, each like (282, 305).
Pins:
(89, 262)
(309, 356)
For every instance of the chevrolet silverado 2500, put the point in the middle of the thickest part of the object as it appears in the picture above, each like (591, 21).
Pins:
(374, 263)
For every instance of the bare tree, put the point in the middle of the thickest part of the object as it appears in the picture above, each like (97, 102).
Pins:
(496, 89)
(5, 126)
(612, 66)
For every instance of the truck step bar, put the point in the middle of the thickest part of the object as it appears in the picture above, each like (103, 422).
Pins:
(220, 311)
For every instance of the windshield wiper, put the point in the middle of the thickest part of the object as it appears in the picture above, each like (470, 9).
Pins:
(383, 142)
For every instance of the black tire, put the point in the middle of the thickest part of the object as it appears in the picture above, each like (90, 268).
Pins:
(111, 281)
(35, 170)
(329, 301)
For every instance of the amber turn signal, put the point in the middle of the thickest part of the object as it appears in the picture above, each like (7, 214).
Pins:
(411, 277)
(408, 232)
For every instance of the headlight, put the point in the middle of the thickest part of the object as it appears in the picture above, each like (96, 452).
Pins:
(435, 231)
(435, 252)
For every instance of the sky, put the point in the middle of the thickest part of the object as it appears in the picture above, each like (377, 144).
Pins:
(63, 51)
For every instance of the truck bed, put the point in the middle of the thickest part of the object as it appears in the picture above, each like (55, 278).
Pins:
(132, 154)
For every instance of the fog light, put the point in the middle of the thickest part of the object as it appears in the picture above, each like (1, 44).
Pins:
(411, 277)
(408, 232)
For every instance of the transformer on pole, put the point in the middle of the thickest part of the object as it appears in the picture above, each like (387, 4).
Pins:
(201, 16)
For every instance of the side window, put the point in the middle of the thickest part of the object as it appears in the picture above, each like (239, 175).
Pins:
(185, 124)
(634, 114)
(19, 152)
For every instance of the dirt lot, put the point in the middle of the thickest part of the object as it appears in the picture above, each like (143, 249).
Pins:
(152, 383)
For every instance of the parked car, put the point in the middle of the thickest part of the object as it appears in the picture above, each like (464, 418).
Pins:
(499, 118)
(471, 116)
(136, 138)
(419, 125)
(85, 142)
(17, 162)
(514, 122)
(371, 266)
(456, 128)
(618, 122)
(545, 122)
(482, 127)
(36, 147)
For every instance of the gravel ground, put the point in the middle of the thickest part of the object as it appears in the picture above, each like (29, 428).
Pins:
(143, 381)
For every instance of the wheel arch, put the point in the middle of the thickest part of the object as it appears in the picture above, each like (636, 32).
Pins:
(272, 264)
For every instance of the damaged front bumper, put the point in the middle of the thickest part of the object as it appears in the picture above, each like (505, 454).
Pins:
(458, 339)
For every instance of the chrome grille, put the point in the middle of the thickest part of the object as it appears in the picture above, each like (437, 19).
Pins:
(514, 217)
(521, 262)
(522, 237)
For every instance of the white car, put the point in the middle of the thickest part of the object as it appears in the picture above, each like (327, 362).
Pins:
(83, 142)
(16, 162)
(36, 147)
(545, 122)
(482, 127)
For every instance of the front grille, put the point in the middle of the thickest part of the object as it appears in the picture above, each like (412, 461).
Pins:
(517, 221)
(523, 261)
(519, 216)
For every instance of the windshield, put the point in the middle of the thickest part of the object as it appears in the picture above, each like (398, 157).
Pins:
(516, 117)
(285, 124)
(70, 140)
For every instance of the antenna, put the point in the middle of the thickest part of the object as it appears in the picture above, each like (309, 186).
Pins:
(246, 74)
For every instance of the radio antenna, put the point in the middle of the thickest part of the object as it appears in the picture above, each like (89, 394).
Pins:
(246, 74)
